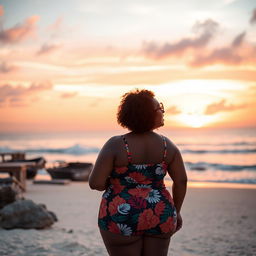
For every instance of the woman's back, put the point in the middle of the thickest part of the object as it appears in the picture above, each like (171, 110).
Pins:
(148, 148)
(137, 201)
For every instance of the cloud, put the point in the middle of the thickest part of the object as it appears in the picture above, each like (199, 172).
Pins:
(7, 68)
(253, 18)
(227, 55)
(20, 31)
(47, 48)
(221, 106)
(56, 25)
(238, 40)
(173, 110)
(205, 31)
(1, 10)
(68, 95)
(17, 94)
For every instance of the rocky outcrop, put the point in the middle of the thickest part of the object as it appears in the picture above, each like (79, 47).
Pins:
(26, 214)
(7, 195)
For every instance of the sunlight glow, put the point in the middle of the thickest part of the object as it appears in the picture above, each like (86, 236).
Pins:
(195, 120)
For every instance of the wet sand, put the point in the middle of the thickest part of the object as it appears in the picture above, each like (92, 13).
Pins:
(217, 221)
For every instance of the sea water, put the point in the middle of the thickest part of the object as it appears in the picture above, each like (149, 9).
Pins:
(210, 155)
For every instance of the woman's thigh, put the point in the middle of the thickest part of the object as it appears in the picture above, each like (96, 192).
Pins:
(122, 245)
(156, 244)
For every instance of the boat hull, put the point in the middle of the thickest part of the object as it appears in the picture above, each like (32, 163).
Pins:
(73, 171)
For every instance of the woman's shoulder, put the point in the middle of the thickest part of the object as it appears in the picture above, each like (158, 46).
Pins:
(113, 140)
(170, 144)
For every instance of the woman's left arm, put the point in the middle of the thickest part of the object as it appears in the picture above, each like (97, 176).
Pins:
(103, 166)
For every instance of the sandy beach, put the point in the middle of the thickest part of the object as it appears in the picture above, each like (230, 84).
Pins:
(217, 221)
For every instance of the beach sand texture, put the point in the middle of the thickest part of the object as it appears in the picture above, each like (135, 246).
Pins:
(217, 222)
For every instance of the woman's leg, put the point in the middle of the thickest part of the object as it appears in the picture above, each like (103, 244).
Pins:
(122, 245)
(156, 244)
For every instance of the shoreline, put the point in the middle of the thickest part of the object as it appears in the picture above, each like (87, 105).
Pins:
(201, 184)
(208, 184)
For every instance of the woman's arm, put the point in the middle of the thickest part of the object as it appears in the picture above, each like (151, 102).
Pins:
(178, 174)
(104, 165)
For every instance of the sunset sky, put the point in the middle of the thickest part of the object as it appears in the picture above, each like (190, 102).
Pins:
(65, 64)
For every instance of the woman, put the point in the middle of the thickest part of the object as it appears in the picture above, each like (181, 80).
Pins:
(137, 214)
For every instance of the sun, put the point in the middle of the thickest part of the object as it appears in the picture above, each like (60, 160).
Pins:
(195, 120)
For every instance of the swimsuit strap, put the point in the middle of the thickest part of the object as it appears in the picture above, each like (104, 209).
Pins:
(165, 148)
(129, 156)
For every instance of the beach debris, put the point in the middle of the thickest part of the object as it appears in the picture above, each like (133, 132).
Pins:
(26, 214)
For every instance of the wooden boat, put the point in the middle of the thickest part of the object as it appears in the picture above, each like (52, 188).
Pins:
(76, 171)
(32, 170)
(33, 164)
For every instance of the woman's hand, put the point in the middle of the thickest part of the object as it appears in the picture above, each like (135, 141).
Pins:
(179, 222)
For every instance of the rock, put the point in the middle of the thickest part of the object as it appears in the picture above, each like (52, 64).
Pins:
(26, 214)
(7, 195)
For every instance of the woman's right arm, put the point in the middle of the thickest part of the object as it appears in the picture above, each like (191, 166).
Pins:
(98, 178)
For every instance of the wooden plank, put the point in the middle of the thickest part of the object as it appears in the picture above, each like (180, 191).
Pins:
(18, 170)
(54, 182)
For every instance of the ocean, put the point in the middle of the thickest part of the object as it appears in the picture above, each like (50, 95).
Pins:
(210, 155)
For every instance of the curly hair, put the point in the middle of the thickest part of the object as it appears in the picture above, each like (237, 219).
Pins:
(137, 111)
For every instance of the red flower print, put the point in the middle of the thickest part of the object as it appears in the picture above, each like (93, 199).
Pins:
(164, 165)
(139, 192)
(167, 195)
(139, 178)
(147, 220)
(117, 187)
(169, 225)
(159, 208)
(137, 202)
(112, 227)
(114, 204)
(121, 170)
(103, 208)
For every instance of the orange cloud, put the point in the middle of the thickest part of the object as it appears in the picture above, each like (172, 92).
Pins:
(221, 106)
(68, 95)
(56, 26)
(7, 68)
(1, 10)
(15, 95)
(253, 18)
(205, 30)
(173, 110)
(20, 31)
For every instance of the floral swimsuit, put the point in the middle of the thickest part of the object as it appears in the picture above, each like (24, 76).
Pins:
(136, 201)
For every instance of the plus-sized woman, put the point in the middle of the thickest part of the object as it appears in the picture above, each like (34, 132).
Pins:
(137, 214)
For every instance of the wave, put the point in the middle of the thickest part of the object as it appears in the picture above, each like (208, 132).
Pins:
(204, 166)
(236, 181)
(239, 143)
(73, 150)
(222, 151)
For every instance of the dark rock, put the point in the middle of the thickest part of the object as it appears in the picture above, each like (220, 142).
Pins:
(7, 195)
(26, 214)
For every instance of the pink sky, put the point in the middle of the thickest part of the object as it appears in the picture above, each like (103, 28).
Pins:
(65, 67)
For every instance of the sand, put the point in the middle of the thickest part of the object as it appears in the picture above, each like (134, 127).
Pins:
(217, 221)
